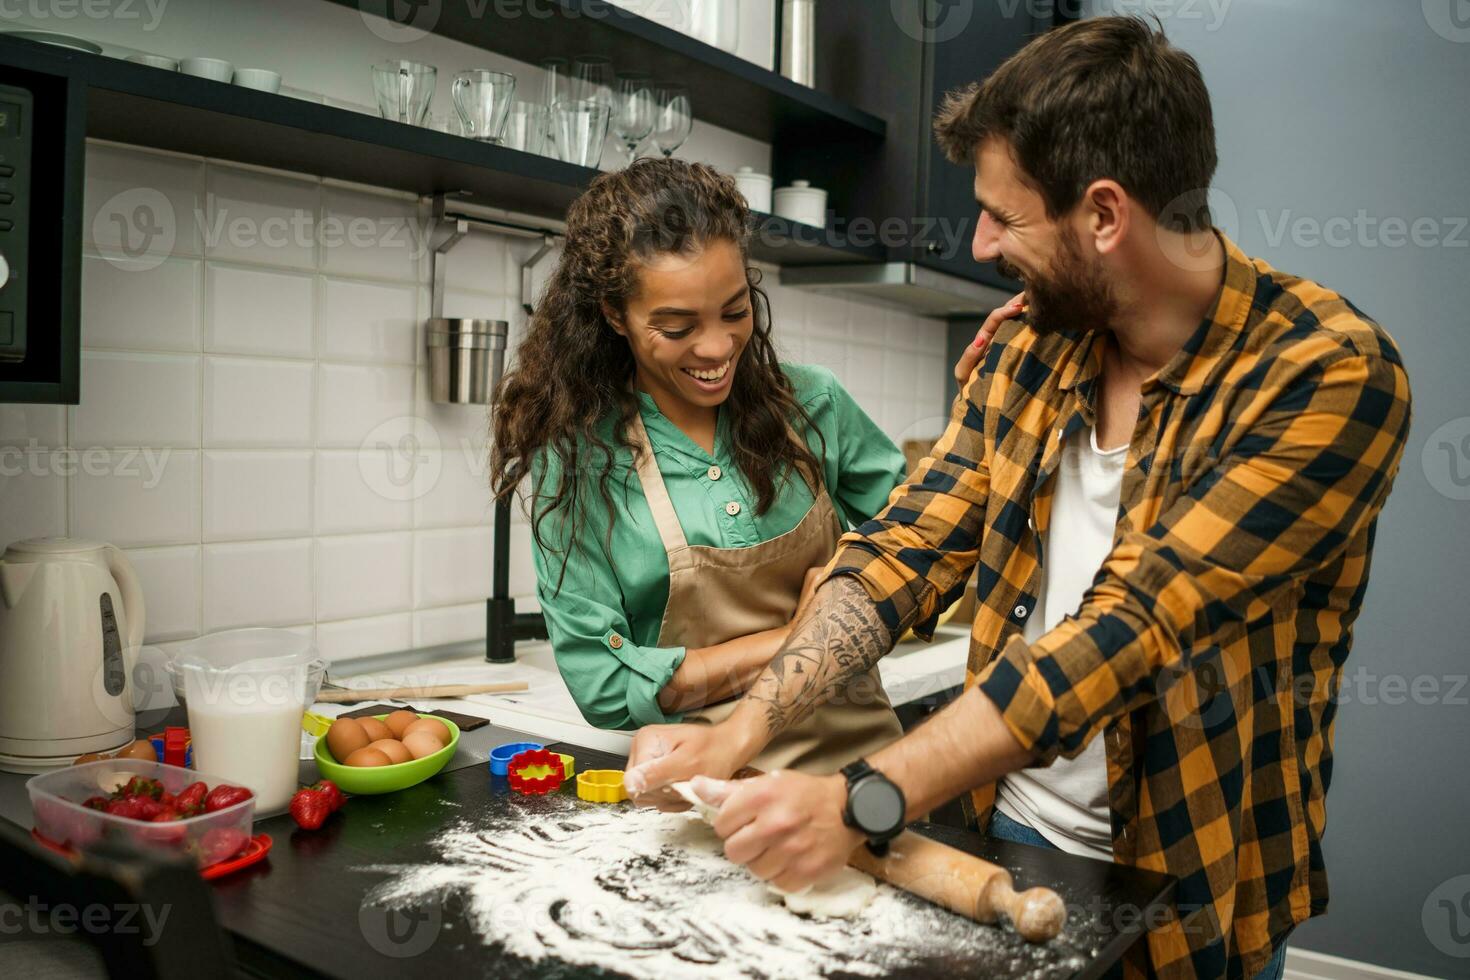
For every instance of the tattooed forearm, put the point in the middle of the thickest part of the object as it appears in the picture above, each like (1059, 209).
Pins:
(840, 637)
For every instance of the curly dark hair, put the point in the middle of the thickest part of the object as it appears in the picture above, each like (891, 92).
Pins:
(574, 372)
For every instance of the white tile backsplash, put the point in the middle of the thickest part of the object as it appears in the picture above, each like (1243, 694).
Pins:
(355, 399)
(261, 218)
(139, 304)
(137, 498)
(257, 583)
(258, 311)
(368, 321)
(249, 495)
(363, 575)
(250, 402)
(137, 400)
(32, 494)
(145, 204)
(262, 340)
(170, 579)
(371, 235)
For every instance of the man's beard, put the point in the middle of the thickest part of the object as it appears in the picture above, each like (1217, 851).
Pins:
(1072, 296)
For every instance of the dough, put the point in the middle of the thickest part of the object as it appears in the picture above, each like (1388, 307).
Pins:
(706, 811)
(841, 896)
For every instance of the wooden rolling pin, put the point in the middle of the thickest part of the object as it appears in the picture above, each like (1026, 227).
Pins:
(964, 884)
(334, 696)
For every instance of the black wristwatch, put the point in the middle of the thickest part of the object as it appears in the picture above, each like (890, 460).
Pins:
(875, 806)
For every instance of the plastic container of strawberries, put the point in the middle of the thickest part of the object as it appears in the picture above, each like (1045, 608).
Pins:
(57, 798)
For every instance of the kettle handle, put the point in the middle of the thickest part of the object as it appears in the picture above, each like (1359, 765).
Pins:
(132, 595)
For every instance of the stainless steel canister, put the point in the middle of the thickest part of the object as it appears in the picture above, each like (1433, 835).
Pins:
(466, 359)
(799, 41)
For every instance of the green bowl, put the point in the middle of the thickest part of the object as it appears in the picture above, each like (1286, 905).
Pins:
(372, 780)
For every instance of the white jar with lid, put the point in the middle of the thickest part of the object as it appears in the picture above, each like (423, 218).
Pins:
(802, 202)
(756, 188)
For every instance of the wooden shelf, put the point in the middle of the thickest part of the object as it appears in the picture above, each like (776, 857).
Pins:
(150, 107)
(727, 91)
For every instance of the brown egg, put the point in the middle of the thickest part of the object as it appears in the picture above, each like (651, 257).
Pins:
(375, 729)
(433, 726)
(141, 749)
(368, 756)
(421, 743)
(90, 757)
(399, 721)
(393, 749)
(346, 737)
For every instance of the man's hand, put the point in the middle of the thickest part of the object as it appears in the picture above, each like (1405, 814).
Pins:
(786, 827)
(970, 359)
(664, 754)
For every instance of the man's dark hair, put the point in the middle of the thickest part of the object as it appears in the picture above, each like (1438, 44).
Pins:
(1106, 97)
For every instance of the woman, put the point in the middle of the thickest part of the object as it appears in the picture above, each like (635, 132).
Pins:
(685, 487)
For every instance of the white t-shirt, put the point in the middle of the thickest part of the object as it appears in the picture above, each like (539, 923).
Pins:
(1067, 802)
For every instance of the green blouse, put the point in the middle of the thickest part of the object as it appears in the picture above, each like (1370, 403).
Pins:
(622, 591)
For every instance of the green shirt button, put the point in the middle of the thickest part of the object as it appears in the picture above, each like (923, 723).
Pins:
(732, 508)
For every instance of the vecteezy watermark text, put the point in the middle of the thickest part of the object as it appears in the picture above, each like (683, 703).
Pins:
(34, 917)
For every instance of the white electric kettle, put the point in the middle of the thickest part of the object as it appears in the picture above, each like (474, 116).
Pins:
(71, 625)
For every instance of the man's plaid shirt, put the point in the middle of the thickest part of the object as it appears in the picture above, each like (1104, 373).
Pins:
(1210, 646)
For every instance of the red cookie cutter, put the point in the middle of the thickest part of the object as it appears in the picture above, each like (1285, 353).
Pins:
(539, 784)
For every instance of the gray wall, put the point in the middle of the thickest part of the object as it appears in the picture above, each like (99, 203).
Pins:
(1325, 109)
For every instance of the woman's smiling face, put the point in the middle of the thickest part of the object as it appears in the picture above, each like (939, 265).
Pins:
(688, 324)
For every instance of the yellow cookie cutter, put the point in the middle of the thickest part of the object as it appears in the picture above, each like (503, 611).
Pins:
(568, 766)
(601, 786)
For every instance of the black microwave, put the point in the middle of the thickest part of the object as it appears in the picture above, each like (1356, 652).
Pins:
(42, 164)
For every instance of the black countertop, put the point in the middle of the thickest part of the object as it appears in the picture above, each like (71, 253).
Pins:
(303, 912)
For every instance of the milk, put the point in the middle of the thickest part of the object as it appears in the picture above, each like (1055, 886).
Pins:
(246, 729)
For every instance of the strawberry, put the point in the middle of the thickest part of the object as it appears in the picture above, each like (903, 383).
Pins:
(310, 808)
(141, 786)
(332, 792)
(130, 807)
(166, 815)
(220, 843)
(95, 803)
(191, 799)
(225, 796)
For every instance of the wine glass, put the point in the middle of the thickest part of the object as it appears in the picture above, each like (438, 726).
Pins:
(674, 119)
(633, 115)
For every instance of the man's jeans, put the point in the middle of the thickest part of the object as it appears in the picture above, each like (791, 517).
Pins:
(1003, 827)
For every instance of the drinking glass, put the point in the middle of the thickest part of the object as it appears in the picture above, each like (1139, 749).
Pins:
(581, 130)
(404, 90)
(634, 113)
(674, 120)
(483, 99)
(593, 81)
(527, 127)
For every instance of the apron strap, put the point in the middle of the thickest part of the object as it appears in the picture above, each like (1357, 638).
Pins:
(654, 489)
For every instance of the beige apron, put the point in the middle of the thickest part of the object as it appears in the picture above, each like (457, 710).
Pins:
(718, 594)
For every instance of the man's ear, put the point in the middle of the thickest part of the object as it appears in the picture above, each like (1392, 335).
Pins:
(1108, 212)
(614, 319)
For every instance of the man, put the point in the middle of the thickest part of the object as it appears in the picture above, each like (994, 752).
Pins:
(1232, 430)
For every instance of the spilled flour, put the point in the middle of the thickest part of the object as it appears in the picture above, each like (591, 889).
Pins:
(651, 896)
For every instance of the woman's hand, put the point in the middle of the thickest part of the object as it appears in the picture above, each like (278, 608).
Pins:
(664, 754)
(970, 359)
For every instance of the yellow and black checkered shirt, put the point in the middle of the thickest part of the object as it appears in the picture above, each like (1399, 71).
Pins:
(1209, 648)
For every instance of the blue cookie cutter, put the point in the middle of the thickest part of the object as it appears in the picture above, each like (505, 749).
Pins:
(501, 755)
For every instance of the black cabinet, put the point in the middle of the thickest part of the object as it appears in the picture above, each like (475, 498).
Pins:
(42, 125)
(898, 58)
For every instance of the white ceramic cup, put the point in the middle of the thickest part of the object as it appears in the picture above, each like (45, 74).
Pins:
(154, 61)
(802, 202)
(213, 68)
(756, 188)
(260, 79)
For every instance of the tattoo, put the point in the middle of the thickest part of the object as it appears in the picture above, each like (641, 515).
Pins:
(840, 637)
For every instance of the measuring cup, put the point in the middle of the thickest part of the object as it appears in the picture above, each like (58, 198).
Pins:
(245, 691)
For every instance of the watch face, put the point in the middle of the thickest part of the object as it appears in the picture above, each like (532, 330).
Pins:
(877, 806)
